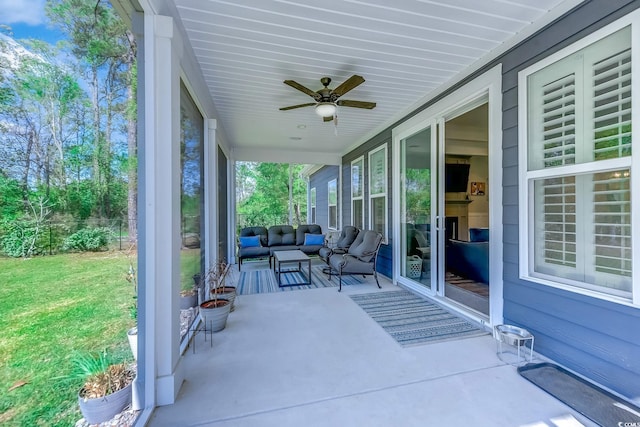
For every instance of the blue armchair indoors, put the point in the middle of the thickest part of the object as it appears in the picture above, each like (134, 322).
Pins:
(470, 259)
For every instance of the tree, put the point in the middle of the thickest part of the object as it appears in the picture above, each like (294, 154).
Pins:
(40, 108)
(107, 52)
(263, 196)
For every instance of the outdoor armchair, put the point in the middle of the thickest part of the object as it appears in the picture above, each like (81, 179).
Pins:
(347, 237)
(361, 257)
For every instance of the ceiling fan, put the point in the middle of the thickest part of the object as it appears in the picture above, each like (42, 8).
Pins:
(326, 100)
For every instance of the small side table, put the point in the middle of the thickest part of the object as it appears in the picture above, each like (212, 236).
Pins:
(512, 342)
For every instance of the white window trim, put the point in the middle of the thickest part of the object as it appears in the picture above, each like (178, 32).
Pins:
(372, 196)
(526, 179)
(329, 204)
(361, 197)
(312, 206)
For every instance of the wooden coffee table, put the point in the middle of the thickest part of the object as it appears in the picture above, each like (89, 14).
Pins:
(291, 257)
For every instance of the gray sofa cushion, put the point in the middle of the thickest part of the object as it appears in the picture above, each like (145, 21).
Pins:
(255, 231)
(253, 252)
(306, 228)
(281, 235)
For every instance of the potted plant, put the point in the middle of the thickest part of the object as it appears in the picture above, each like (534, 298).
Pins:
(107, 386)
(220, 286)
(215, 311)
(188, 298)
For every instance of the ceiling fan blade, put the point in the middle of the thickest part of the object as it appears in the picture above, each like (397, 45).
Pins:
(356, 104)
(303, 89)
(349, 84)
(297, 106)
(327, 119)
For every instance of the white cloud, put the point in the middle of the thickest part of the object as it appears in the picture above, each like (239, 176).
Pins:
(22, 11)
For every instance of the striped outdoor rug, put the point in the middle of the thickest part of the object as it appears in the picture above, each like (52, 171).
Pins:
(264, 281)
(412, 320)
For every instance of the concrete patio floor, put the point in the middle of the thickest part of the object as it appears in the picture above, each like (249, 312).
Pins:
(314, 358)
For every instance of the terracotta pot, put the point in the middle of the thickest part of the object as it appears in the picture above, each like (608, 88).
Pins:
(214, 313)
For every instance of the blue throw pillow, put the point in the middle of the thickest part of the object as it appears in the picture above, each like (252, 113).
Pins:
(249, 241)
(313, 239)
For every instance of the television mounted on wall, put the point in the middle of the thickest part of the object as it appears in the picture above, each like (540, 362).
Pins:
(456, 177)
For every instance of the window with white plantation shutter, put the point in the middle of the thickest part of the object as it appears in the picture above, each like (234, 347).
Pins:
(312, 211)
(578, 145)
(357, 192)
(332, 188)
(378, 190)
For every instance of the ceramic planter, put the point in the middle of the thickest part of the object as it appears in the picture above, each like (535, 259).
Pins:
(101, 409)
(226, 292)
(132, 336)
(214, 313)
(188, 301)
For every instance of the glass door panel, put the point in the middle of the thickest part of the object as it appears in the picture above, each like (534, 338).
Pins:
(466, 210)
(416, 201)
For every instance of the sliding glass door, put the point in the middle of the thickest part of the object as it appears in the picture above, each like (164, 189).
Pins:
(418, 199)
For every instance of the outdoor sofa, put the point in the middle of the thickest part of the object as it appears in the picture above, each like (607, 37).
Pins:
(260, 242)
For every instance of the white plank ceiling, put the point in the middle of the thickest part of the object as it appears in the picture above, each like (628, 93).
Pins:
(405, 49)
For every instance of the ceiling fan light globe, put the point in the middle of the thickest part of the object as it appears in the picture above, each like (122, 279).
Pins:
(325, 109)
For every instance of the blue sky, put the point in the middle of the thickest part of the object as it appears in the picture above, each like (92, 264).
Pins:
(27, 20)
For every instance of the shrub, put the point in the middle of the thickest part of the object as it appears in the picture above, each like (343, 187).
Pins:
(88, 239)
(22, 238)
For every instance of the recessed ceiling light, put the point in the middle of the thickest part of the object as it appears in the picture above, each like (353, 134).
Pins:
(295, 138)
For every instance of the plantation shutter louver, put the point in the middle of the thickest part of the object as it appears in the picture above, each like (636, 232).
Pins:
(559, 122)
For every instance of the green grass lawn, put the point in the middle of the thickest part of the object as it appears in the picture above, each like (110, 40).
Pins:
(50, 308)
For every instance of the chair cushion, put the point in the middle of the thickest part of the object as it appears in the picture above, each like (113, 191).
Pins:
(310, 249)
(421, 239)
(249, 241)
(365, 245)
(313, 239)
(347, 236)
(324, 253)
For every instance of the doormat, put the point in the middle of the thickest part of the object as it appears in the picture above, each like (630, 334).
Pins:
(597, 404)
(412, 320)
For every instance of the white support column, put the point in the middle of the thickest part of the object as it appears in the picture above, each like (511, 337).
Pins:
(211, 193)
(340, 201)
(231, 210)
(161, 185)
